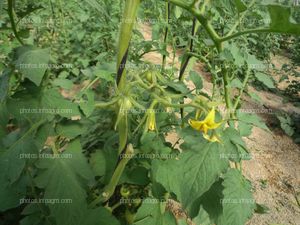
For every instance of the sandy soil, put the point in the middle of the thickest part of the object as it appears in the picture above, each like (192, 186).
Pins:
(274, 169)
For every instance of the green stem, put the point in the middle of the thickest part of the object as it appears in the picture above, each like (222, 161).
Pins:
(90, 84)
(208, 27)
(201, 58)
(166, 103)
(106, 104)
(10, 10)
(128, 20)
(227, 90)
(168, 9)
(186, 60)
(241, 17)
(180, 3)
(240, 33)
(110, 188)
(204, 22)
(241, 90)
(205, 3)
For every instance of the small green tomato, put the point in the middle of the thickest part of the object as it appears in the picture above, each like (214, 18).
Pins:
(124, 192)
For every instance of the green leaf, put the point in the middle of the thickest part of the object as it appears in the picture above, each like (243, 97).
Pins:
(105, 75)
(261, 209)
(95, 5)
(103, 72)
(4, 85)
(194, 172)
(148, 146)
(87, 102)
(265, 79)
(63, 83)
(240, 5)
(197, 80)
(238, 203)
(251, 118)
(11, 195)
(70, 129)
(256, 64)
(182, 221)
(103, 163)
(150, 213)
(53, 101)
(234, 53)
(19, 144)
(137, 175)
(32, 62)
(42, 134)
(98, 163)
(33, 219)
(178, 12)
(99, 216)
(286, 124)
(236, 83)
(211, 202)
(202, 218)
(34, 105)
(245, 129)
(177, 87)
(281, 20)
(64, 178)
(255, 97)
(234, 145)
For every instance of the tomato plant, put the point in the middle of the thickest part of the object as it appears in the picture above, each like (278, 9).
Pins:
(84, 118)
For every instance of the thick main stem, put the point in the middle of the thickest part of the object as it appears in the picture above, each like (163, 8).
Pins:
(111, 186)
(168, 11)
(128, 21)
(10, 10)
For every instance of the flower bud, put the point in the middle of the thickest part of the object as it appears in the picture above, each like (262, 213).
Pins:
(151, 120)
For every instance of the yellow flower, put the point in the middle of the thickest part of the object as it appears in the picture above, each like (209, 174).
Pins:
(205, 125)
(151, 121)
